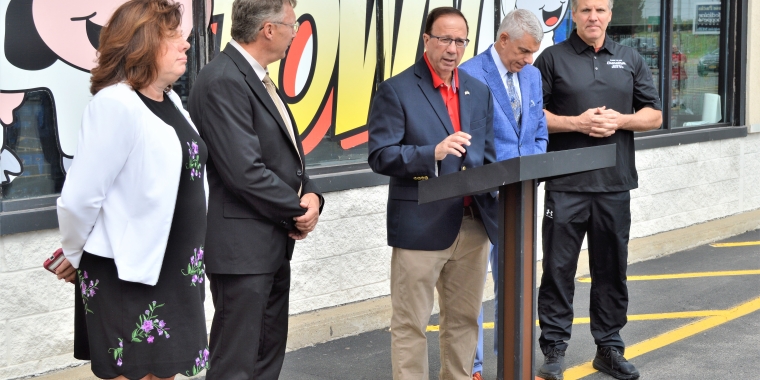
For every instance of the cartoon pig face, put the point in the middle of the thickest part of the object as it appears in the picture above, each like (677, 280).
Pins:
(549, 12)
(71, 28)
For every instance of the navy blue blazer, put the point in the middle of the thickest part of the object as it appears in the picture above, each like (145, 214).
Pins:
(407, 120)
(511, 140)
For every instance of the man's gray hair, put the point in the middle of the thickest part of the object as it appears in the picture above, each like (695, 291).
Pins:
(520, 21)
(249, 16)
(574, 5)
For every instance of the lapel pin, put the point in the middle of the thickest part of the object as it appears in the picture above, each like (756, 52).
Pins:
(466, 92)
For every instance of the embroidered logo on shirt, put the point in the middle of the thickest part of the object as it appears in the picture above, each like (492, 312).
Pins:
(616, 63)
(549, 214)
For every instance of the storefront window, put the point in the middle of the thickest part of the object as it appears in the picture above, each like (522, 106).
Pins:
(636, 23)
(31, 136)
(695, 61)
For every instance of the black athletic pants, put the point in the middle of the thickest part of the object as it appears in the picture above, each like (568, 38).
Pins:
(568, 216)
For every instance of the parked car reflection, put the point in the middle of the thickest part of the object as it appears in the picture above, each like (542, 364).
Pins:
(708, 63)
(646, 46)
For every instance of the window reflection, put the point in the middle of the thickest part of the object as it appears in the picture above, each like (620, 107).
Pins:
(32, 137)
(695, 57)
(636, 23)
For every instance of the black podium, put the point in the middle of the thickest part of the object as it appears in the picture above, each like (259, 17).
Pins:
(516, 181)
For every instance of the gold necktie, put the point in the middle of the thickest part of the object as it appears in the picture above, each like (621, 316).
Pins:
(272, 91)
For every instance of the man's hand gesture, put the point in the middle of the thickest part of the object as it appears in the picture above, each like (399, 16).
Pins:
(454, 145)
(598, 122)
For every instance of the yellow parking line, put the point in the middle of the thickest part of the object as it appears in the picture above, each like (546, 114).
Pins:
(673, 336)
(738, 244)
(684, 275)
(634, 317)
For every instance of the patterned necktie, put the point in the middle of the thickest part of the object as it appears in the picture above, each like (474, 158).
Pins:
(272, 91)
(514, 98)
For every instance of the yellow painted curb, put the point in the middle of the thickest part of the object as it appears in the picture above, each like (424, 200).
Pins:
(635, 317)
(684, 275)
(737, 244)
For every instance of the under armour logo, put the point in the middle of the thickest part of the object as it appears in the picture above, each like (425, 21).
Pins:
(549, 213)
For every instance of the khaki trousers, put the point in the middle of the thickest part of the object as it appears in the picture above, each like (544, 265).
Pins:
(457, 273)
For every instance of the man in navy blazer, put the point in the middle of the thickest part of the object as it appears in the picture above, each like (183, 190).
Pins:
(431, 120)
(519, 123)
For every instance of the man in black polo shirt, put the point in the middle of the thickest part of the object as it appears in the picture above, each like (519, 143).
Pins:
(596, 92)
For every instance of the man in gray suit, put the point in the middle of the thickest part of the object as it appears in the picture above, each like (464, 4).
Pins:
(260, 200)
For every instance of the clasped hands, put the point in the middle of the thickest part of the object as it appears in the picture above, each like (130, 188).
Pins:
(600, 122)
(308, 221)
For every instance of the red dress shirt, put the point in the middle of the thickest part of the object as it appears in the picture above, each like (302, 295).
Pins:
(451, 100)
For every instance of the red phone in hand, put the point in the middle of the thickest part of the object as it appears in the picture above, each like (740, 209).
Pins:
(54, 261)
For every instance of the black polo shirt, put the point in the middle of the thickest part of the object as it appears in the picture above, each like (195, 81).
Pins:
(575, 79)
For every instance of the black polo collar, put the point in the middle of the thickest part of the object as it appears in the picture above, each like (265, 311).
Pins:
(580, 46)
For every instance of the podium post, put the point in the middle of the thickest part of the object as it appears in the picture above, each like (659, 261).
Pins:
(516, 180)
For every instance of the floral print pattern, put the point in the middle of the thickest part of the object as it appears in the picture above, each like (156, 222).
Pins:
(87, 291)
(148, 323)
(201, 363)
(194, 163)
(196, 268)
(117, 352)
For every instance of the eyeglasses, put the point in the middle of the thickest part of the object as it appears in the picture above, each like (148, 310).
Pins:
(446, 41)
(294, 25)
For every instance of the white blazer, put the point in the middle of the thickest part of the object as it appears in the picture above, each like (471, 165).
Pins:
(119, 195)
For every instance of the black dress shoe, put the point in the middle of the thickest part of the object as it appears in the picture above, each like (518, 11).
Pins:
(554, 365)
(610, 361)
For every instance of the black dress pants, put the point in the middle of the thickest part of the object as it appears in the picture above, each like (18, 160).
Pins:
(249, 331)
(568, 216)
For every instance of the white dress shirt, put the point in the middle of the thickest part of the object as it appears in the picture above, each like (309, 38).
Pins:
(261, 72)
(503, 73)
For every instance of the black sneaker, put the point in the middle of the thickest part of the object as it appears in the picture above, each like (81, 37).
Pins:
(610, 361)
(554, 365)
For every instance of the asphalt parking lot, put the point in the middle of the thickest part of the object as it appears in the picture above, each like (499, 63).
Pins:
(694, 314)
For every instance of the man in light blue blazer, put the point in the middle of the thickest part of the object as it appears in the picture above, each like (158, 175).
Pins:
(519, 123)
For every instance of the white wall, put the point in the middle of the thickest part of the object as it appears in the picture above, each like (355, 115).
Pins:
(346, 259)
(753, 65)
(688, 184)
(36, 311)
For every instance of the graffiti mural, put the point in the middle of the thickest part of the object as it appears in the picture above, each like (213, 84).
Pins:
(50, 45)
(328, 77)
(332, 67)
(553, 15)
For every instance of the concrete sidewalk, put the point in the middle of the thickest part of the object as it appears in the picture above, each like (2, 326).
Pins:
(329, 324)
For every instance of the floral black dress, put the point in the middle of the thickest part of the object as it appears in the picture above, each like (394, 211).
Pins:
(133, 329)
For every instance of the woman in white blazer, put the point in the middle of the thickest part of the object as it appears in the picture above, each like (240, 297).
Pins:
(132, 212)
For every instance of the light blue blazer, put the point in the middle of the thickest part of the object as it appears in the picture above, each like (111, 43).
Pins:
(510, 139)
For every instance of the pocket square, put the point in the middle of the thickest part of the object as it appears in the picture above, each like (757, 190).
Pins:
(466, 92)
